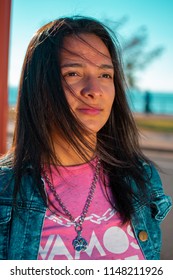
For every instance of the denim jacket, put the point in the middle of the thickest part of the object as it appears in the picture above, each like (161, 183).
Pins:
(20, 231)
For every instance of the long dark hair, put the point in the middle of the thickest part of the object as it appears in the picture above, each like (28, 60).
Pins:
(42, 105)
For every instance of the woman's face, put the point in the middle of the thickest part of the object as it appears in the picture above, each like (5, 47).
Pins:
(88, 83)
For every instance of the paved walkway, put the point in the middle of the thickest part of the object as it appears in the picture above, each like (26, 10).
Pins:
(156, 141)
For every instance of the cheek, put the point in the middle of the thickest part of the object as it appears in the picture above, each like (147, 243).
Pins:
(70, 97)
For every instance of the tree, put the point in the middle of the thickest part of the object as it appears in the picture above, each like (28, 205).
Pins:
(135, 57)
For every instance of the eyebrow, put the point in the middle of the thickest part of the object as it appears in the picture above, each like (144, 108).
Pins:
(102, 66)
(71, 65)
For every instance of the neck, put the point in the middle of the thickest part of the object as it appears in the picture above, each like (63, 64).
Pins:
(68, 155)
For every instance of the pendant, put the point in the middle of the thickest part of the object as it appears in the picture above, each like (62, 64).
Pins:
(79, 243)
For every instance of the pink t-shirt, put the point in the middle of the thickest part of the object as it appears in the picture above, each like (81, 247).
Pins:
(107, 238)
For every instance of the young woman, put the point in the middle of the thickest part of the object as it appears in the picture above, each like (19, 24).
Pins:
(75, 184)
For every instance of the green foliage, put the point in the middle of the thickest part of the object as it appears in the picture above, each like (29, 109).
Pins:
(155, 123)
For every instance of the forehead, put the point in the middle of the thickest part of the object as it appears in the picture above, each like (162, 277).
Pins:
(87, 46)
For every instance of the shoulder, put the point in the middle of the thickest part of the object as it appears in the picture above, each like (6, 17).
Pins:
(6, 184)
(6, 180)
(152, 173)
(6, 173)
(26, 187)
(153, 179)
(6, 166)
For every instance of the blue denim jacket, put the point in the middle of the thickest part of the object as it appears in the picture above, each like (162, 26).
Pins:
(20, 231)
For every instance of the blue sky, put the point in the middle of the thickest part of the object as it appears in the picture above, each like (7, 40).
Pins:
(156, 15)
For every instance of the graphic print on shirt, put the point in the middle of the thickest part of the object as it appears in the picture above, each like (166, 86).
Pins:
(107, 238)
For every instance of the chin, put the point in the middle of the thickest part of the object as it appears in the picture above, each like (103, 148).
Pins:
(93, 131)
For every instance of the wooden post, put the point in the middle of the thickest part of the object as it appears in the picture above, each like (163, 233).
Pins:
(5, 11)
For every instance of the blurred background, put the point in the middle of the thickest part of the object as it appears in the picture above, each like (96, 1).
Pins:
(144, 30)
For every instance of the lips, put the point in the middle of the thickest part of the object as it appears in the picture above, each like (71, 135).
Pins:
(90, 111)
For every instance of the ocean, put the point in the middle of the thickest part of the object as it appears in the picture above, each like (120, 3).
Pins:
(159, 102)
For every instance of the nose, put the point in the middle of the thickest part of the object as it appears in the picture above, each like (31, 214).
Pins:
(91, 88)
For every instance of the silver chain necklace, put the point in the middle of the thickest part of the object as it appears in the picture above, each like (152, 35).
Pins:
(79, 243)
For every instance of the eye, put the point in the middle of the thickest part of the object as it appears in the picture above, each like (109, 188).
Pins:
(106, 75)
(71, 74)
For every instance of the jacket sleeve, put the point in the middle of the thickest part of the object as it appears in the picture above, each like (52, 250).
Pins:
(149, 214)
(160, 202)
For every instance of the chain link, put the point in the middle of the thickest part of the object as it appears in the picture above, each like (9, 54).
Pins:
(78, 224)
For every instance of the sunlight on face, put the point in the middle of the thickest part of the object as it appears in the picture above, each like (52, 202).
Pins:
(88, 83)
